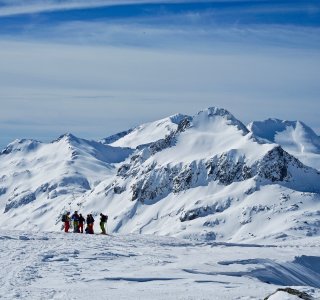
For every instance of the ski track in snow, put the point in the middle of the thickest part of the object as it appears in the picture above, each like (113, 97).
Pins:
(75, 266)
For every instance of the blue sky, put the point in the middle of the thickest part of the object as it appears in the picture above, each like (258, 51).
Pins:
(94, 68)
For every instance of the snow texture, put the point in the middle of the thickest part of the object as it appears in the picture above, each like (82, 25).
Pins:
(55, 265)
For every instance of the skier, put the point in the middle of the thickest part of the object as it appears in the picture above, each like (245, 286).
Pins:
(90, 222)
(103, 220)
(81, 221)
(66, 220)
(75, 218)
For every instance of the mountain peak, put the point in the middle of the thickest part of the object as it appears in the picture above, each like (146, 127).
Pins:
(216, 111)
(269, 128)
(211, 112)
(21, 145)
(177, 118)
(68, 137)
(294, 136)
(275, 129)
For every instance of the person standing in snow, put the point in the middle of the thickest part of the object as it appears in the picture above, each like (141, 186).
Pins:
(81, 221)
(66, 220)
(90, 222)
(75, 218)
(103, 220)
(87, 221)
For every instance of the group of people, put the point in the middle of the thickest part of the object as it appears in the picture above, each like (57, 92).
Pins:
(78, 221)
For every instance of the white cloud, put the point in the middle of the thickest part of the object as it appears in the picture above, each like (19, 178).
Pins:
(17, 7)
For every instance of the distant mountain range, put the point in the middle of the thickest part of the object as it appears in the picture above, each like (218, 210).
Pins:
(206, 177)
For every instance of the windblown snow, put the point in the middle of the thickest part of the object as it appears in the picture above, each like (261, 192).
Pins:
(174, 189)
(294, 136)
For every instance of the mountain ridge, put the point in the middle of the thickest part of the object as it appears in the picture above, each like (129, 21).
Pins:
(206, 177)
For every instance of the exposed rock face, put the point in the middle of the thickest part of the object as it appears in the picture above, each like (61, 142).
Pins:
(275, 165)
(154, 181)
(290, 291)
(113, 138)
(18, 200)
(203, 211)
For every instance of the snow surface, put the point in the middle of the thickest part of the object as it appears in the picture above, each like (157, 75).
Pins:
(146, 133)
(213, 132)
(55, 265)
(283, 296)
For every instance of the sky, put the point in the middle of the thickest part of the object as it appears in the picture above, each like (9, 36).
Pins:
(94, 68)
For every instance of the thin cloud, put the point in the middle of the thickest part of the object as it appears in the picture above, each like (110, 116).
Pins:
(159, 35)
(11, 8)
(95, 77)
(124, 86)
(235, 7)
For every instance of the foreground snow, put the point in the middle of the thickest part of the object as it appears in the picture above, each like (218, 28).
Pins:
(74, 266)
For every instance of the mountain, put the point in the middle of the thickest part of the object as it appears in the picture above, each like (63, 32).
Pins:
(294, 136)
(205, 177)
(145, 133)
(37, 178)
(211, 179)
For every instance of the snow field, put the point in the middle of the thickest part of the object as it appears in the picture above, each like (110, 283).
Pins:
(79, 266)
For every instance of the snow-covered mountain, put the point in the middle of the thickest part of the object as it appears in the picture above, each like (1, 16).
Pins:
(145, 133)
(294, 136)
(211, 179)
(205, 177)
(37, 178)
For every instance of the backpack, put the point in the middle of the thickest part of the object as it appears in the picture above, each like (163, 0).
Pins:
(64, 218)
(104, 218)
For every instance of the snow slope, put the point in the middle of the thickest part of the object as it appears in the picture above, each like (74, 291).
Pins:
(145, 133)
(78, 266)
(294, 136)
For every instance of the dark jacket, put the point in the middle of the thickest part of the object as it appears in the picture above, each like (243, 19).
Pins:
(103, 218)
(90, 219)
(75, 217)
(81, 219)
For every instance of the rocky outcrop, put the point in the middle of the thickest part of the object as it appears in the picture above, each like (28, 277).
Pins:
(151, 181)
(290, 291)
(275, 165)
(19, 200)
(206, 210)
